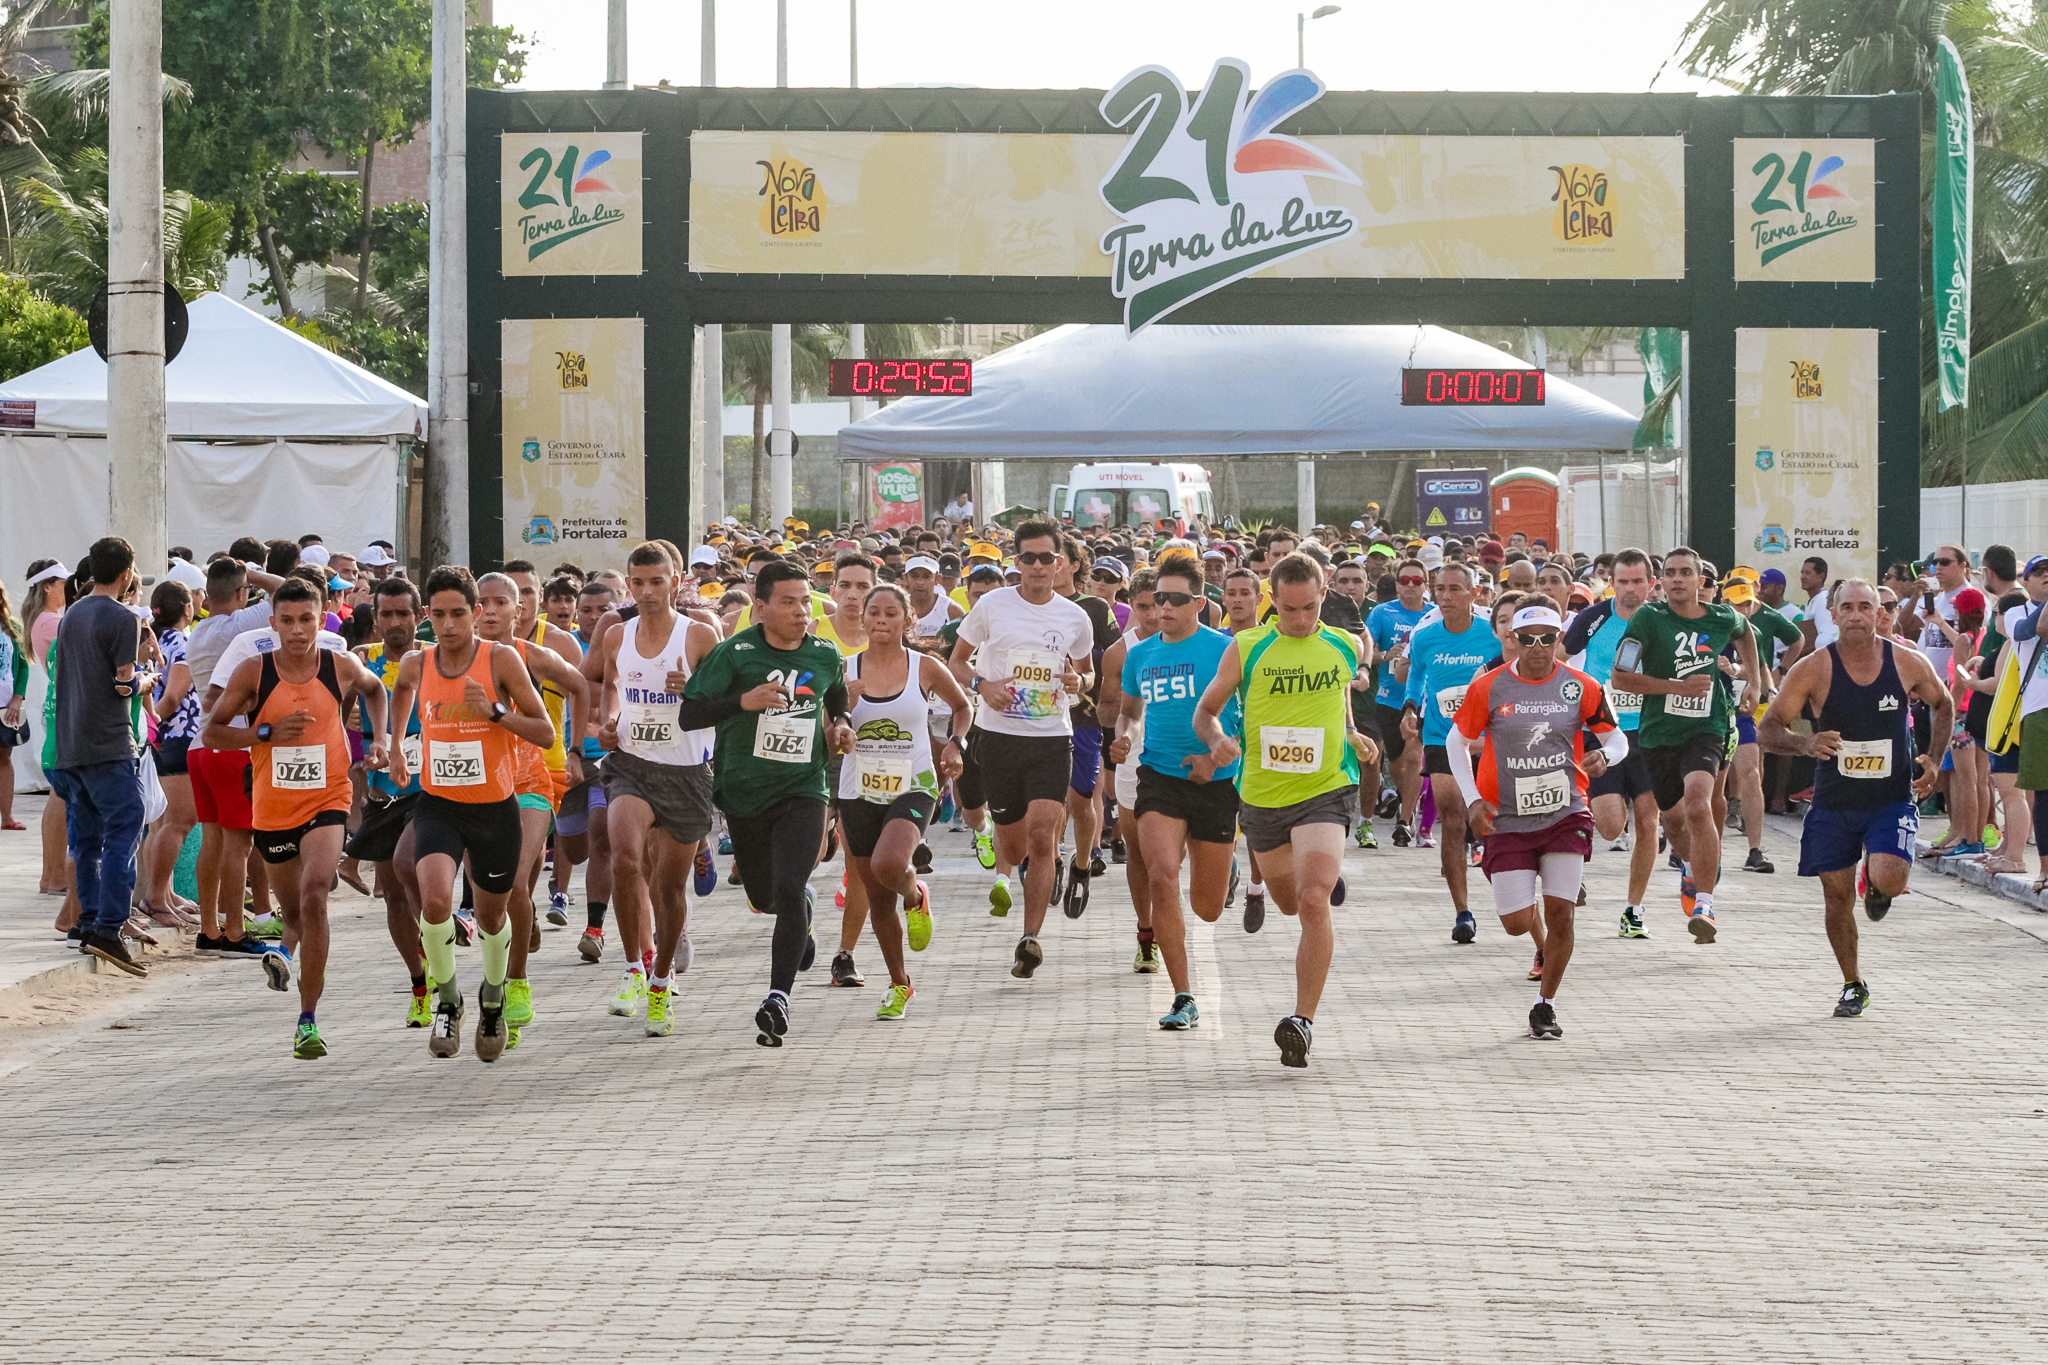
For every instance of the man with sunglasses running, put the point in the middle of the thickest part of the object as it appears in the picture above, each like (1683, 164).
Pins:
(1036, 652)
(1442, 659)
(1529, 799)
(1670, 656)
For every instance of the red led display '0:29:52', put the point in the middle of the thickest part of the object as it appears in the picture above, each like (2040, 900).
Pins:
(898, 378)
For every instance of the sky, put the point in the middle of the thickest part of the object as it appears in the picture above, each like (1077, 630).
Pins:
(1470, 45)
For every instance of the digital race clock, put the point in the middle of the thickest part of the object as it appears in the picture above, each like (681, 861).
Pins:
(898, 378)
(1471, 388)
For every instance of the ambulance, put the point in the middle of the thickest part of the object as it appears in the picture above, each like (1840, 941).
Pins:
(1168, 495)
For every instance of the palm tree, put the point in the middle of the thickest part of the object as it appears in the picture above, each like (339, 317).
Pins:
(67, 234)
(748, 372)
(1815, 47)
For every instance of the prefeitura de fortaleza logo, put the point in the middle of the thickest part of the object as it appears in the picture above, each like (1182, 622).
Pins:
(1209, 194)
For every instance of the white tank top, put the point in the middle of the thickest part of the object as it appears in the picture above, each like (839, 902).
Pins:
(892, 747)
(648, 727)
(929, 623)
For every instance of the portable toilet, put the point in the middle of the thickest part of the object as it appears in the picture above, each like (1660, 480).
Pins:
(1525, 500)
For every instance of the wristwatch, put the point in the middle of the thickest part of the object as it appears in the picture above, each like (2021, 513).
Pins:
(263, 733)
(498, 712)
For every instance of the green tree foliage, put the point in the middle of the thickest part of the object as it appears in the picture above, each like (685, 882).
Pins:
(65, 248)
(33, 330)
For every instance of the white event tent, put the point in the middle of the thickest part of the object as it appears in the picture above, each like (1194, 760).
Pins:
(1088, 392)
(271, 436)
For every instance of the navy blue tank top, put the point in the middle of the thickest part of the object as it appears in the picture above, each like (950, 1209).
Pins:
(1874, 766)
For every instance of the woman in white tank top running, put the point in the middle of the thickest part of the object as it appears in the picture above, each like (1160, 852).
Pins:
(889, 784)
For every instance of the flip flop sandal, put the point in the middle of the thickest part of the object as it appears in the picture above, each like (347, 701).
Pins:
(163, 919)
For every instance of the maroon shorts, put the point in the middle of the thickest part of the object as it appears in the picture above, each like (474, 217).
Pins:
(1507, 851)
(220, 786)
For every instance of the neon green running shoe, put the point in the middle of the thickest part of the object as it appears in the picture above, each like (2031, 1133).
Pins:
(632, 994)
(1366, 838)
(420, 1013)
(918, 922)
(270, 928)
(518, 1003)
(999, 898)
(985, 848)
(306, 1044)
(659, 1020)
(511, 1037)
(894, 1001)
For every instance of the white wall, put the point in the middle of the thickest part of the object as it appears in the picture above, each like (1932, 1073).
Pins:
(2014, 514)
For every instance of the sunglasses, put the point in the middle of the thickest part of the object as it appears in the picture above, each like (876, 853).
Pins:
(1038, 557)
(1943, 562)
(1173, 599)
(1102, 576)
(1536, 639)
(1411, 581)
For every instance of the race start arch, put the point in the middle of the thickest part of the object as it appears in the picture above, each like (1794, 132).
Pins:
(1780, 233)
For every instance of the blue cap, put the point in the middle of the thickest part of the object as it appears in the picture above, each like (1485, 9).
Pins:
(1773, 576)
(2036, 562)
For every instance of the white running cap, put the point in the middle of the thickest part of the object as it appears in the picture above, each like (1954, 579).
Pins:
(1530, 618)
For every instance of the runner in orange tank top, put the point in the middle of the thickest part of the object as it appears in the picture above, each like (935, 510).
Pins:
(497, 606)
(476, 703)
(295, 696)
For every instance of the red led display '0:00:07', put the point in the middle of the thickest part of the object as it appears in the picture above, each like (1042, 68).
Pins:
(1472, 388)
(898, 378)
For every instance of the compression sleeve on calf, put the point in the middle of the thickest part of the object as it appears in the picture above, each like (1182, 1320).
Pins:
(1460, 759)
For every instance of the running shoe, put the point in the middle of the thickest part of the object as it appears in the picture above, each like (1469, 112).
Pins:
(684, 954)
(1184, 1015)
(1876, 904)
(533, 937)
(1402, 836)
(1118, 854)
(659, 1021)
(1097, 867)
(420, 1012)
(1389, 807)
(1536, 968)
(985, 848)
(724, 844)
(1339, 892)
(1620, 845)
(917, 924)
(706, 871)
(1475, 852)
(465, 930)
(1294, 1035)
(893, 1001)
(277, 969)
(1688, 893)
(1854, 1000)
(1230, 892)
(844, 973)
(732, 878)
(772, 1021)
(1674, 862)
(1582, 895)
(203, 946)
(1701, 926)
(1059, 876)
(1366, 838)
(306, 1043)
(591, 945)
(810, 957)
(490, 1023)
(1464, 928)
(444, 1038)
(264, 927)
(999, 897)
(1076, 903)
(1758, 862)
(1425, 840)
(518, 1002)
(1969, 850)
(558, 909)
(243, 947)
(511, 1037)
(1632, 923)
(839, 896)
(1148, 961)
(1029, 957)
(921, 857)
(631, 995)
(1543, 1021)
(1254, 911)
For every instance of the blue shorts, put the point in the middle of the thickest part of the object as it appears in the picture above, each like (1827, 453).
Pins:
(1087, 759)
(1835, 839)
(1745, 730)
(2007, 762)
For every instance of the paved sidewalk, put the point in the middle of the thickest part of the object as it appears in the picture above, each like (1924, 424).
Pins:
(1707, 1168)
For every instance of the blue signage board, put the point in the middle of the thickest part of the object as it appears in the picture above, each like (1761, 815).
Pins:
(1453, 502)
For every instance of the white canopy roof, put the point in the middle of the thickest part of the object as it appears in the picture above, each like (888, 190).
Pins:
(240, 375)
(1088, 392)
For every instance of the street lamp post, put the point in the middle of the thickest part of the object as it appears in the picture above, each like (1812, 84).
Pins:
(1301, 31)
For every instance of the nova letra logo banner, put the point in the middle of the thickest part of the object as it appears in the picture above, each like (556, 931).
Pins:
(1804, 209)
(570, 203)
(792, 202)
(1812, 487)
(1209, 194)
(1585, 205)
(574, 445)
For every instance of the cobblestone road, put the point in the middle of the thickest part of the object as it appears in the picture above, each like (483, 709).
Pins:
(1707, 1168)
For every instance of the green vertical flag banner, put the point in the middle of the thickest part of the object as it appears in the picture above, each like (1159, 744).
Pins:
(1662, 352)
(1954, 166)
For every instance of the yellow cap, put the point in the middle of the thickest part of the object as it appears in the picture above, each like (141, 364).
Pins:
(1742, 573)
(981, 549)
(1738, 592)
